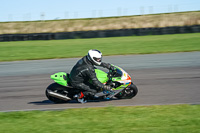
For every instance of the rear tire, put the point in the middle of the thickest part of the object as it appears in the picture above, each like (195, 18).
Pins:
(55, 88)
(128, 93)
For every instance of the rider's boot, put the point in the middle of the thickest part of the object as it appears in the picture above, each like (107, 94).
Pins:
(80, 98)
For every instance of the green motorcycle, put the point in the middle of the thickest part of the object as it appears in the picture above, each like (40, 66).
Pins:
(120, 80)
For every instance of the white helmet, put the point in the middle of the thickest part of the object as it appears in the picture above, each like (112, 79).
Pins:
(95, 56)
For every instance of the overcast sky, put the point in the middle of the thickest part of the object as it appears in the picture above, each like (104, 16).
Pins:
(28, 10)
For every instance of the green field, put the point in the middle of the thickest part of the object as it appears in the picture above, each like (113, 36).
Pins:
(139, 119)
(32, 50)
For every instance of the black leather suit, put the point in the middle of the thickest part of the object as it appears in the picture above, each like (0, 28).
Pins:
(84, 71)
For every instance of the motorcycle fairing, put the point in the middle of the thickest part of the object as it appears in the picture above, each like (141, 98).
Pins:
(123, 78)
(60, 78)
(101, 75)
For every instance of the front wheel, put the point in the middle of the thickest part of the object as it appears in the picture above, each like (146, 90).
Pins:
(128, 93)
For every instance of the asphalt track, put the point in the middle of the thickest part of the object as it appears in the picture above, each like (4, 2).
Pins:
(161, 79)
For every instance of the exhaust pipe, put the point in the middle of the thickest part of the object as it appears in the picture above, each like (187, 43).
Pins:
(59, 96)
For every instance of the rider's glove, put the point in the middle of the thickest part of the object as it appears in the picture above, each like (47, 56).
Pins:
(107, 88)
(113, 68)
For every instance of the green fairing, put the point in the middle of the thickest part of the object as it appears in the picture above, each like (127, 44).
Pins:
(101, 76)
(116, 78)
(60, 78)
(121, 87)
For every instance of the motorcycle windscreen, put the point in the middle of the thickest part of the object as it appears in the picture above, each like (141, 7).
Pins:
(101, 76)
(118, 73)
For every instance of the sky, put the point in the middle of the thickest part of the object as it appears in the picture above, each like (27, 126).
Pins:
(30, 10)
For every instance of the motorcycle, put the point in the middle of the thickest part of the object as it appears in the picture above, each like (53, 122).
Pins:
(123, 88)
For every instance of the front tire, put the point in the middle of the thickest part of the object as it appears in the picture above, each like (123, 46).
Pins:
(128, 93)
(55, 88)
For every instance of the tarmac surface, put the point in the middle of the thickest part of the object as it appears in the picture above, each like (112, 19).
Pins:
(161, 79)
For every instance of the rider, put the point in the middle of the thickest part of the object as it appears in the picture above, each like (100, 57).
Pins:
(84, 71)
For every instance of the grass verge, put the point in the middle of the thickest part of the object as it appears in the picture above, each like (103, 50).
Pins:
(140, 119)
(31, 50)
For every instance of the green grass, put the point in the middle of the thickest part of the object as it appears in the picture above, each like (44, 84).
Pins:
(139, 119)
(31, 50)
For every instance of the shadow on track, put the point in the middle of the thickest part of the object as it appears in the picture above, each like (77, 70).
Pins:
(44, 102)
(48, 102)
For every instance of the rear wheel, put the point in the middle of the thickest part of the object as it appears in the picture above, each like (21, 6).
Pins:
(58, 89)
(128, 93)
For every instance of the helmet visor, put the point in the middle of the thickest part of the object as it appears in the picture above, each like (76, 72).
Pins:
(97, 59)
